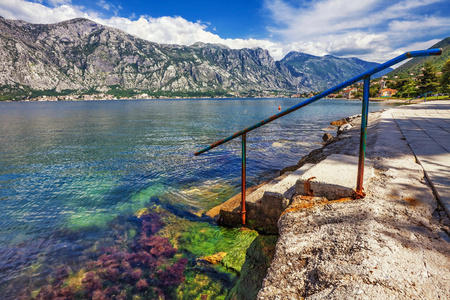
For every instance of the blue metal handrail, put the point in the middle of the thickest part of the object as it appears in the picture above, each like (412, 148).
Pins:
(365, 106)
(423, 95)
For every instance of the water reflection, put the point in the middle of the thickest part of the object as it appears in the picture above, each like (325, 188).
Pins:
(68, 169)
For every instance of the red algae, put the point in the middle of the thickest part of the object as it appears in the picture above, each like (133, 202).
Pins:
(122, 273)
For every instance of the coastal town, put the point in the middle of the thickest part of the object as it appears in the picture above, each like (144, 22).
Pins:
(384, 87)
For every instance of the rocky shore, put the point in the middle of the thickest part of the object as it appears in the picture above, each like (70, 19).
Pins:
(393, 244)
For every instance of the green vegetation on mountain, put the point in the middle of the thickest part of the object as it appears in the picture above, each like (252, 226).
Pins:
(414, 66)
(429, 80)
(445, 77)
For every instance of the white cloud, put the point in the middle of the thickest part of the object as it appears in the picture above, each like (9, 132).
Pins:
(370, 29)
(319, 18)
(170, 30)
(57, 2)
(373, 30)
(424, 24)
(109, 6)
(403, 7)
(176, 30)
(38, 13)
(103, 4)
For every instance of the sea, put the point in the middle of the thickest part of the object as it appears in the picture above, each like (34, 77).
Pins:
(88, 188)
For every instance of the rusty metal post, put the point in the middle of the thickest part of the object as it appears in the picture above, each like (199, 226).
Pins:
(244, 146)
(362, 142)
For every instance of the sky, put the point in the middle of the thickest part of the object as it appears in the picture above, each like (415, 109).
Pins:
(372, 30)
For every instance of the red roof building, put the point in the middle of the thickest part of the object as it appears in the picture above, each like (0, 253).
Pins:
(348, 93)
(388, 92)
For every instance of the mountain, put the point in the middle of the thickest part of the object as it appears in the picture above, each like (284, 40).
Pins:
(414, 66)
(320, 73)
(80, 55)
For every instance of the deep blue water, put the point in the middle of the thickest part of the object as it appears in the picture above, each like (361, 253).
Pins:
(68, 166)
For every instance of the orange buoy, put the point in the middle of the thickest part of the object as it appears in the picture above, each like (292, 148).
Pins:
(279, 107)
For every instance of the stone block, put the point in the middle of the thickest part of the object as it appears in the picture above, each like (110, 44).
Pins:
(333, 178)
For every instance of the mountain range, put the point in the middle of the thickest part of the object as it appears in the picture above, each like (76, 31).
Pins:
(81, 55)
(320, 73)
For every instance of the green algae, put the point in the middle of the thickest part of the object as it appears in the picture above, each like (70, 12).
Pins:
(197, 286)
(199, 239)
(236, 242)
(257, 261)
(74, 281)
(204, 239)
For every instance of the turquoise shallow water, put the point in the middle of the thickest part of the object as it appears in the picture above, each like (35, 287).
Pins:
(67, 168)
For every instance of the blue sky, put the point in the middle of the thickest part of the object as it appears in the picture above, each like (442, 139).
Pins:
(373, 30)
(228, 19)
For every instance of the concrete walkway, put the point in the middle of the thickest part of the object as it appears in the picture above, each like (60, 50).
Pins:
(394, 243)
(426, 128)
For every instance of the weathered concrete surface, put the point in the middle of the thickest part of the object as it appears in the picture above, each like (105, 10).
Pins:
(264, 203)
(426, 127)
(393, 244)
(333, 178)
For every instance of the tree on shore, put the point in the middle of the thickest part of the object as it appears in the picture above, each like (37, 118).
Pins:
(428, 81)
(445, 77)
(374, 90)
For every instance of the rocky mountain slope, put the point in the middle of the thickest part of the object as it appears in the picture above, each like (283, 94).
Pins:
(81, 55)
(320, 73)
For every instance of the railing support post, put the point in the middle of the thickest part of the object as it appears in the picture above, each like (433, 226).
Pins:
(243, 212)
(362, 142)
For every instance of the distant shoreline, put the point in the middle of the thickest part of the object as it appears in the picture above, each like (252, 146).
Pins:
(384, 100)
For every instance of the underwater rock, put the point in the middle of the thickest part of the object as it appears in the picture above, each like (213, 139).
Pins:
(215, 258)
(180, 212)
(258, 257)
(135, 220)
(155, 200)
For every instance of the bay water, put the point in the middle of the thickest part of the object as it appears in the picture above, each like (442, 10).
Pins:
(69, 169)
